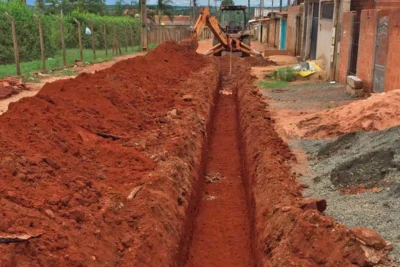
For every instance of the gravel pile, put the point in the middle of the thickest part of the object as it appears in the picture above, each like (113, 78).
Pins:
(370, 161)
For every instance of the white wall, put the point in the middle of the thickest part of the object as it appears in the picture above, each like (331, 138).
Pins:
(325, 39)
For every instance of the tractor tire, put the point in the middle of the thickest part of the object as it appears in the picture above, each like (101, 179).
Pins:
(215, 42)
(246, 41)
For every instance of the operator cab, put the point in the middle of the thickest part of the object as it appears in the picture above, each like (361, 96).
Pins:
(233, 18)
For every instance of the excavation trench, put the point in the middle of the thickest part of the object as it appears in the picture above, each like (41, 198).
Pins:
(222, 229)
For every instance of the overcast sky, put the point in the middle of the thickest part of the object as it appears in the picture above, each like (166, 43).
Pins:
(201, 2)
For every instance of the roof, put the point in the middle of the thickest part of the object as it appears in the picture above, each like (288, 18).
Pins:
(233, 7)
(174, 19)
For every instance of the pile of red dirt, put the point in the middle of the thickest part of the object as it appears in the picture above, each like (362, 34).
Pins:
(258, 61)
(378, 112)
(101, 170)
(290, 230)
(10, 86)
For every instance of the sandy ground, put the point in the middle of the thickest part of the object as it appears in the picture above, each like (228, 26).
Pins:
(34, 87)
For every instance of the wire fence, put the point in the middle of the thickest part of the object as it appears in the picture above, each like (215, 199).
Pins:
(178, 33)
(46, 43)
(49, 42)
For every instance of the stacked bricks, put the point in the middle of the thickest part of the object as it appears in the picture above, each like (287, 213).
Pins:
(387, 3)
(355, 86)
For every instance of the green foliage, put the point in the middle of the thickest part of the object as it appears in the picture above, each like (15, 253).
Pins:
(274, 84)
(227, 3)
(28, 31)
(67, 6)
(286, 74)
(56, 62)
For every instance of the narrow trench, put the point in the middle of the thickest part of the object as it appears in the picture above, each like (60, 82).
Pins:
(222, 230)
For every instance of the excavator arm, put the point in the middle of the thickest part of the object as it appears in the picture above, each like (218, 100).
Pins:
(226, 43)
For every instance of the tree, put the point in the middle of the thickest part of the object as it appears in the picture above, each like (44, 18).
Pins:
(227, 3)
(95, 6)
(118, 8)
(165, 7)
(40, 6)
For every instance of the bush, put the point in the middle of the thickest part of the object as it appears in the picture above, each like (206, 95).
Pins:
(28, 32)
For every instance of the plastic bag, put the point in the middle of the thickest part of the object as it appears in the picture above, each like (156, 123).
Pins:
(88, 31)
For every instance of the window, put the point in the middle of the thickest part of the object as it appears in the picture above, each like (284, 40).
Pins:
(327, 10)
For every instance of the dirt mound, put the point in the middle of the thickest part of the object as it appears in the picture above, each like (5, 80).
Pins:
(258, 61)
(379, 112)
(101, 169)
(10, 86)
(290, 230)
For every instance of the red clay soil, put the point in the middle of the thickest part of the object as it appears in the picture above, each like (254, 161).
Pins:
(102, 170)
(222, 234)
(376, 113)
(10, 86)
(289, 230)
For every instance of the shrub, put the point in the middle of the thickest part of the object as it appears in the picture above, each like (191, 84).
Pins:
(28, 32)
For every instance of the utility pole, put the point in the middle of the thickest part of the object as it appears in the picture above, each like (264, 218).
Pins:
(191, 17)
(248, 12)
(194, 11)
(260, 22)
(272, 11)
(143, 11)
(280, 6)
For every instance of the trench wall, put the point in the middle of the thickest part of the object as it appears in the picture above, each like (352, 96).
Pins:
(105, 168)
(288, 230)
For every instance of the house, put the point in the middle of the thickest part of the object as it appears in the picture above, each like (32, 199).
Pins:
(277, 30)
(130, 12)
(175, 21)
(265, 12)
(369, 45)
(354, 37)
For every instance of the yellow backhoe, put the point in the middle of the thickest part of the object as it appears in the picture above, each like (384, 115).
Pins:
(232, 36)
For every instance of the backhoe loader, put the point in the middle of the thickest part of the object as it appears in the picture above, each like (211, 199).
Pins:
(232, 36)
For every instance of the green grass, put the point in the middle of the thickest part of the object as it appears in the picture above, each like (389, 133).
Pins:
(57, 62)
(274, 84)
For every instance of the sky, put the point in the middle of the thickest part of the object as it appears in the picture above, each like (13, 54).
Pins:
(200, 2)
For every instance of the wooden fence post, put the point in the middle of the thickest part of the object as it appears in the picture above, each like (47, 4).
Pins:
(118, 43)
(93, 40)
(80, 38)
(126, 37)
(42, 52)
(114, 41)
(105, 39)
(15, 42)
(62, 41)
(132, 43)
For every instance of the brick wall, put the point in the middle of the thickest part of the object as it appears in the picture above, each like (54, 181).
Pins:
(359, 5)
(387, 3)
(274, 32)
(366, 49)
(392, 77)
(293, 12)
(345, 45)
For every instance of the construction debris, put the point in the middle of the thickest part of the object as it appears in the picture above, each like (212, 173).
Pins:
(11, 238)
(10, 86)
